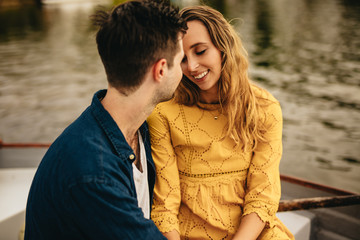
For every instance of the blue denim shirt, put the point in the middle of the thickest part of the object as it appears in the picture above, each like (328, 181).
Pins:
(84, 188)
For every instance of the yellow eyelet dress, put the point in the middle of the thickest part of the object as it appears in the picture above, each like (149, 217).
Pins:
(205, 183)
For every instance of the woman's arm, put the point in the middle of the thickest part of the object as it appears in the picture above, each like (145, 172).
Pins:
(263, 180)
(167, 197)
(250, 227)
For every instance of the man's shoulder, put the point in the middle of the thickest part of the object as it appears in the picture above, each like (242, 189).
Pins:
(83, 149)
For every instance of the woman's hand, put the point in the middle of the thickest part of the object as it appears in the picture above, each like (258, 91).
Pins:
(172, 235)
(250, 227)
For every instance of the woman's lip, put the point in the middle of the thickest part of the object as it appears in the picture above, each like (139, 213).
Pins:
(203, 78)
(201, 74)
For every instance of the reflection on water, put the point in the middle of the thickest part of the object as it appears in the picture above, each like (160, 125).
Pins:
(305, 52)
(49, 70)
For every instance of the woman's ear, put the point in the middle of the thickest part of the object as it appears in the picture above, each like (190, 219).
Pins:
(160, 70)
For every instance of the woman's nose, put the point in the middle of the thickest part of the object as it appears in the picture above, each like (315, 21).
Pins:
(192, 64)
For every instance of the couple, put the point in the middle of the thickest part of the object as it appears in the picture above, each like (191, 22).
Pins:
(215, 138)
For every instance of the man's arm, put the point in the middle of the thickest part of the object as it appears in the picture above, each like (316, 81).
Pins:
(105, 210)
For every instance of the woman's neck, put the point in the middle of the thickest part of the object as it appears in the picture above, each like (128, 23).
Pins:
(209, 97)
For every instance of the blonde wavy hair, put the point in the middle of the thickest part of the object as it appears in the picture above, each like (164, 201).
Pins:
(236, 97)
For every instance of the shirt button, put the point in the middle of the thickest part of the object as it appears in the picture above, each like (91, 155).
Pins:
(132, 157)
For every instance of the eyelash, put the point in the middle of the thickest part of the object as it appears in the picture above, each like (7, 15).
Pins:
(201, 52)
(198, 53)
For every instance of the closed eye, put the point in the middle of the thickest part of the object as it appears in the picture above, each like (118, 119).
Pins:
(201, 52)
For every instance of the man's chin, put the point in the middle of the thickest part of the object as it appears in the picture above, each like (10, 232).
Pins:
(167, 98)
(164, 98)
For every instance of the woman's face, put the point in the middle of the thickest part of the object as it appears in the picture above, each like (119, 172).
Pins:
(202, 60)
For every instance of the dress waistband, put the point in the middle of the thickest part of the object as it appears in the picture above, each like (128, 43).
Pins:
(207, 175)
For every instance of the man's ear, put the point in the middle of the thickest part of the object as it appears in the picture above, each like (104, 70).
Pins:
(160, 70)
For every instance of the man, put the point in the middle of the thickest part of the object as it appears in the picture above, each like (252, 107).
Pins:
(96, 180)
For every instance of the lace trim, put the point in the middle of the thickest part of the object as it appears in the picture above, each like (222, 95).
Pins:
(266, 212)
(206, 175)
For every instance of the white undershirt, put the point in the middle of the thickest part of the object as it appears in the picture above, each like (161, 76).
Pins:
(141, 181)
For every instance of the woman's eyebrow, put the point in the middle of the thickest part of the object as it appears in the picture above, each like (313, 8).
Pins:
(196, 44)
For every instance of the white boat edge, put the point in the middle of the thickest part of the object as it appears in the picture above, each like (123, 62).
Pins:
(15, 184)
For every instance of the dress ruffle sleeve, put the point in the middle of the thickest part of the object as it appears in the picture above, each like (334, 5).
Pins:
(263, 182)
(167, 198)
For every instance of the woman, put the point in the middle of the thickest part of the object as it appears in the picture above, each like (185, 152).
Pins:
(217, 145)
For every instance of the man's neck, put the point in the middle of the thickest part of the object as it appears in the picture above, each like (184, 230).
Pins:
(129, 112)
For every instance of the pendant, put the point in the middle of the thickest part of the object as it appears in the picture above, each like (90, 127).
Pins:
(215, 117)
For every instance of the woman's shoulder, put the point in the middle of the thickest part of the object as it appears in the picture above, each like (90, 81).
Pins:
(262, 95)
(172, 107)
(166, 110)
(169, 111)
(269, 107)
(167, 107)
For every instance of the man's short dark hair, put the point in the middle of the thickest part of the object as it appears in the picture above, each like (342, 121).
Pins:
(133, 36)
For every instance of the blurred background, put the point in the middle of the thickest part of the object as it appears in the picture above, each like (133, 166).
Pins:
(305, 52)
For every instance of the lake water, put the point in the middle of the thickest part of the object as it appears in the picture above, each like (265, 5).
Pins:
(306, 53)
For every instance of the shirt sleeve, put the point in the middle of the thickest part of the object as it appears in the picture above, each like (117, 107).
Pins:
(263, 181)
(167, 196)
(104, 209)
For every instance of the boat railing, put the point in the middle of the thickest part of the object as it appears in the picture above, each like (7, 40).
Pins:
(341, 198)
(24, 145)
(318, 202)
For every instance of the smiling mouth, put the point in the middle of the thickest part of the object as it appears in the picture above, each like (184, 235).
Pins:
(201, 75)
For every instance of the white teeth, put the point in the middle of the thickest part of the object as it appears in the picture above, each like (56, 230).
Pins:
(201, 75)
